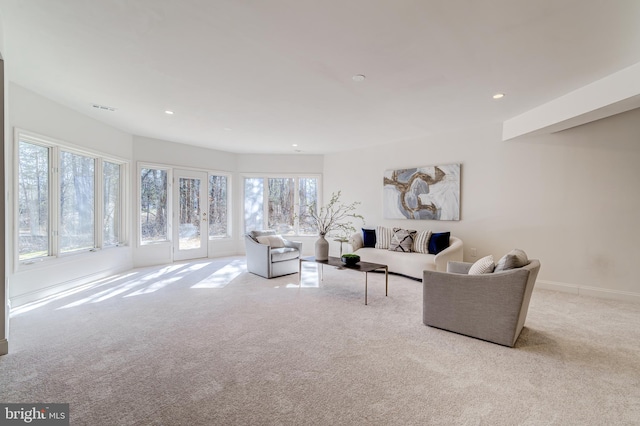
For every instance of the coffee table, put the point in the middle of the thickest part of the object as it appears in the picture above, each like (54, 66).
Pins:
(365, 267)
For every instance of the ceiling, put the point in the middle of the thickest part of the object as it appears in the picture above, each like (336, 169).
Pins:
(258, 76)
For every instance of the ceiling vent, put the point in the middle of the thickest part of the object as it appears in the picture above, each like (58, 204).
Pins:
(105, 108)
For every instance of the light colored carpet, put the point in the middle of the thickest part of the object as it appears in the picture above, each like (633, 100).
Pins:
(206, 343)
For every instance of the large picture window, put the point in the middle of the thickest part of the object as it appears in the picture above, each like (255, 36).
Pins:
(218, 206)
(280, 203)
(153, 205)
(62, 199)
(77, 199)
(112, 195)
(33, 200)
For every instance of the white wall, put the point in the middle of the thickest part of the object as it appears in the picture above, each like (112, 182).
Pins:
(570, 198)
(4, 286)
(34, 113)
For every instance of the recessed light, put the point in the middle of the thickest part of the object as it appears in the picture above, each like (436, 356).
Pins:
(498, 96)
(168, 112)
(358, 77)
(227, 129)
(295, 144)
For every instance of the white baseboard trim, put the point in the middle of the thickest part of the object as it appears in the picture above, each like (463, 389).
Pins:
(4, 347)
(602, 293)
(60, 288)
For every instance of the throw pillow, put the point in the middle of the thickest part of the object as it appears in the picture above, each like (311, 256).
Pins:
(516, 258)
(256, 234)
(402, 240)
(275, 241)
(421, 242)
(439, 242)
(482, 266)
(369, 237)
(383, 237)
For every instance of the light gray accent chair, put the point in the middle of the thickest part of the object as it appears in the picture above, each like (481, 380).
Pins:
(268, 262)
(490, 307)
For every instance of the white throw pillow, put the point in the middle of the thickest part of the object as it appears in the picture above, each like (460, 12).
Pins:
(482, 266)
(383, 237)
(275, 241)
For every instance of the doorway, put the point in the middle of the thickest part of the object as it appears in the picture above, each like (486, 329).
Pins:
(190, 236)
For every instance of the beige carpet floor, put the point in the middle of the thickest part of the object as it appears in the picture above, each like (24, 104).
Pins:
(206, 343)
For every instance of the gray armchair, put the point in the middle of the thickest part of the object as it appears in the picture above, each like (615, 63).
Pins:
(490, 307)
(270, 262)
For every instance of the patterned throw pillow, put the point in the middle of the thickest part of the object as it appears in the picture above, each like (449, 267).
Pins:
(421, 242)
(402, 240)
(383, 237)
(516, 258)
(482, 266)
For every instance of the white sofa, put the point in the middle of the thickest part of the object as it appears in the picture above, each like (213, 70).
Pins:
(409, 264)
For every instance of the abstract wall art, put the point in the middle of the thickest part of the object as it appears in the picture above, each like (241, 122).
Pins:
(427, 193)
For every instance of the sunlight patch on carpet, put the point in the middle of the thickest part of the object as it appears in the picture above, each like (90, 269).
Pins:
(223, 276)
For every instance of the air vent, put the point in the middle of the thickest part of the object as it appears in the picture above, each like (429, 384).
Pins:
(105, 108)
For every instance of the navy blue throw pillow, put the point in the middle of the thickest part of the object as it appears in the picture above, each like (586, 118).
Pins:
(369, 237)
(439, 242)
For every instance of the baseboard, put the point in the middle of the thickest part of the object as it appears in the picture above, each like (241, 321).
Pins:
(602, 293)
(4, 347)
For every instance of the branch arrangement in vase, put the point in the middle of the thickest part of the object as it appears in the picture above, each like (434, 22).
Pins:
(334, 216)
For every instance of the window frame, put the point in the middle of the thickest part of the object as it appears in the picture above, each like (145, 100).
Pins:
(265, 195)
(54, 147)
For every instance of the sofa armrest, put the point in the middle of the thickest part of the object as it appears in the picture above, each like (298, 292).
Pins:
(356, 241)
(294, 244)
(458, 267)
(258, 257)
(453, 253)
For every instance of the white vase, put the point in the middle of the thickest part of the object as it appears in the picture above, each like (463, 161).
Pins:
(322, 248)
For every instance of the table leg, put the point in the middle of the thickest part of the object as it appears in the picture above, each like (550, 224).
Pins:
(386, 280)
(300, 272)
(366, 274)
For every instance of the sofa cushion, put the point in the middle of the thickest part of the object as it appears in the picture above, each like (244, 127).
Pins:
(439, 242)
(383, 237)
(274, 241)
(421, 242)
(482, 266)
(369, 237)
(516, 258)
(284, 253)
(402, 240)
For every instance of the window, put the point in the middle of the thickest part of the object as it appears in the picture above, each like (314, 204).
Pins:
(218, 206)
(153, 205)
(112, 195)
(33, 201)
(253, 204)
(77, 195)
(285, 204)
(308, 194)
(62, 198)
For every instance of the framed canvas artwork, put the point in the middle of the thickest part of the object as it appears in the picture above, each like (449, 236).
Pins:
(427, 193)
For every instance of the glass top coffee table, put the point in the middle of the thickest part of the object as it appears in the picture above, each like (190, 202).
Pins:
(365, 267)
